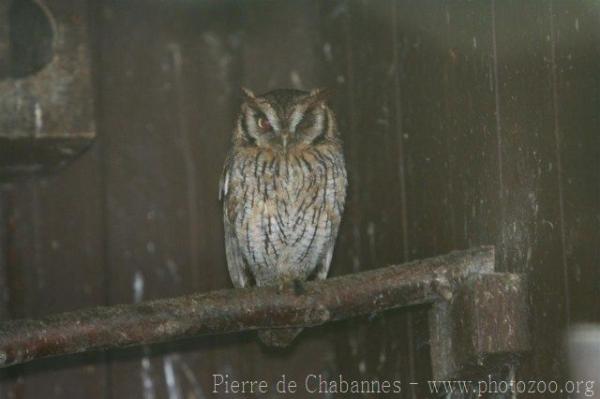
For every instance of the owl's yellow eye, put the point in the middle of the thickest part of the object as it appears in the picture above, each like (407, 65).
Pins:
(263, 124)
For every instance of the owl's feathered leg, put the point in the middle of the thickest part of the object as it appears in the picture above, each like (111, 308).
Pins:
(283, 337)
(299, 287)
(278, 337)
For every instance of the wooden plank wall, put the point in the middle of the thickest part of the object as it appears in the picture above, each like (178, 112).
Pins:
(465, 123)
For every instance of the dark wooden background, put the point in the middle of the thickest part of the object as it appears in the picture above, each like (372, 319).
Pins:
(465, 123)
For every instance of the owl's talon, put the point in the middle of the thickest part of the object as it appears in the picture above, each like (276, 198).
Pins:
(299, 288)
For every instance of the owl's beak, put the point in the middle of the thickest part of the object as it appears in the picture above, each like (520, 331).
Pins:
(284, 140)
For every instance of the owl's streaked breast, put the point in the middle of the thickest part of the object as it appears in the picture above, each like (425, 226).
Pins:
(285, 209)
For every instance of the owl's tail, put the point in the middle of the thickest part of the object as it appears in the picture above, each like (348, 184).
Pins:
(278, 337)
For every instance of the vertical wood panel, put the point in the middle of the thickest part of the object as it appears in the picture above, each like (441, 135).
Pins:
(166, 92)
(56, 264)
(365, 50)
(532, 220)
(576, 97)
(142, 181)
(470, 126)
(8, 379)
(425, 32)
(4, 284)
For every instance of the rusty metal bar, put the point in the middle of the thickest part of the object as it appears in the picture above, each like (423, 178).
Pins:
(218, 312)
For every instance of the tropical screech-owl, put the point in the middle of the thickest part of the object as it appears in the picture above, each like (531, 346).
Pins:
(283, 189)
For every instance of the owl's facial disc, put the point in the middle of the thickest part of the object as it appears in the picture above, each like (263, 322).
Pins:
(309, 120)
(281, 120)
(259, 122)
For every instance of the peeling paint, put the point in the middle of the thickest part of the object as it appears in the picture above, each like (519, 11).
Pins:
(295, 79)
(38, 116)
(173, 388)
(138, 287)
(147, 382)
(190, 377)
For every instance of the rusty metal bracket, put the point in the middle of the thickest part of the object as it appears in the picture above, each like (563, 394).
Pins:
(482, 327)
(46, 119)
(476, 314)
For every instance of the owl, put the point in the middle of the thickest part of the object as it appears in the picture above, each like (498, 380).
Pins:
(283, 189)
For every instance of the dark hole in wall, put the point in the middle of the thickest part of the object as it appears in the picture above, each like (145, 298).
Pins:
(30, 38)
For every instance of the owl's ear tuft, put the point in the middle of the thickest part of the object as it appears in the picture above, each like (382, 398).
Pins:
(248, 94)
(320, 95)
(250, 98)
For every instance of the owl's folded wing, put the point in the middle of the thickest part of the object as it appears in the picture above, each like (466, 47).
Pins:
(238, 270)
